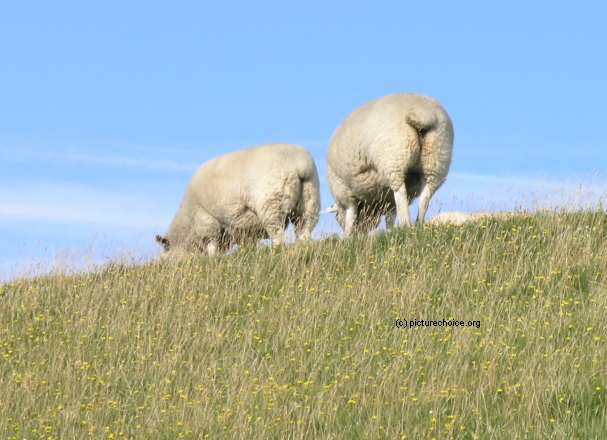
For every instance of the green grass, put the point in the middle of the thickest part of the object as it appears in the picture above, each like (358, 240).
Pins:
(300, 342)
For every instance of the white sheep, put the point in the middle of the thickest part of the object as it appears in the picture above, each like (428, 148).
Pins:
(384, 155)
(460, 218)
(246, 196)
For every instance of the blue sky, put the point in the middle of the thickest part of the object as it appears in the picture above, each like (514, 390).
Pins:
(107, 108)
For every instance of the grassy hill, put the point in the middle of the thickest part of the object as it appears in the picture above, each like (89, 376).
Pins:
(301, 342)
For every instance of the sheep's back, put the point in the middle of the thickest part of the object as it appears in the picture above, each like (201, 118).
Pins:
(233, 188)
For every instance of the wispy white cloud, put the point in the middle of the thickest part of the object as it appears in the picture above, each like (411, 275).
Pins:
(52, 202)
(110, 154)
(118, 161)
(94, 158)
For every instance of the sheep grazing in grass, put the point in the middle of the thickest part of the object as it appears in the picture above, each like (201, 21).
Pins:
(244, 197)
(384, 155)
(460, 218)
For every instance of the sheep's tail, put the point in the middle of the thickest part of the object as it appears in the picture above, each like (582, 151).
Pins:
(421, 119)
(435, 136)
(309, 205)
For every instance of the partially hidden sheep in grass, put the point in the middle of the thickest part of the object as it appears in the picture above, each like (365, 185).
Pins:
(459, 218)
(244, 197)
(384, 155)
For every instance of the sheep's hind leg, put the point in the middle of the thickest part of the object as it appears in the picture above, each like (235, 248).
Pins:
(303, 231)
(424, 202)
(402, 206)
(351, 217)
(275, 229)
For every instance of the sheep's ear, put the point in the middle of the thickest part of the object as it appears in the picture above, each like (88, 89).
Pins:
(163, 241)
(330, 210)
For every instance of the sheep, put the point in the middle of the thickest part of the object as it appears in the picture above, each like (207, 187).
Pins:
(460, 218)
(244, 197)
(384, 155)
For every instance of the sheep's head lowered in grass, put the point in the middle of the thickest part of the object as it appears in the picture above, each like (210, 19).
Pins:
(163, 242)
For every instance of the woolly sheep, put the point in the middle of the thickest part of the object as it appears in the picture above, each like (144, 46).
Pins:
(246, 196)
(460, 218)
(384, 155)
